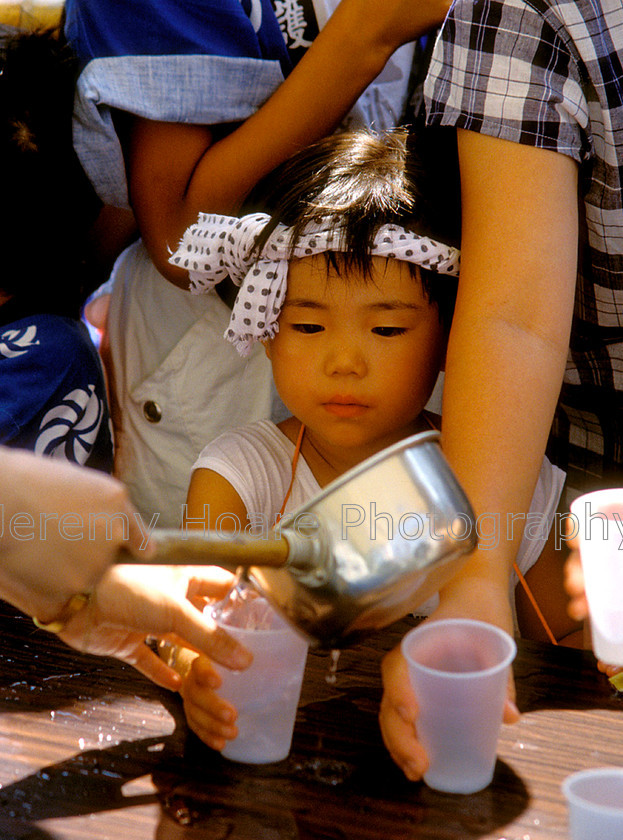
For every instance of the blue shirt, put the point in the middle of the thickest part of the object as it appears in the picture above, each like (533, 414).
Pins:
(205, 62)
(52, 391)
(235, 28)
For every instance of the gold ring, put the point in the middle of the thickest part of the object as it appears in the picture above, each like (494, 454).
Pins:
(74, 605)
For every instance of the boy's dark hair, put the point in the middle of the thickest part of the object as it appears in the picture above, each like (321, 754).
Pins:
(49, 203)
(357, 182)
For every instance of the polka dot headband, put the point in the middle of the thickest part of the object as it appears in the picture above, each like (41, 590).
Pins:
(220, 246)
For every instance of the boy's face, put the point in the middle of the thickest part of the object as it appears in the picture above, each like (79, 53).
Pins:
(356, 360)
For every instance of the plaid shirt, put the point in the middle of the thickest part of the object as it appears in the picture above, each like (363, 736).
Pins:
(548, 73)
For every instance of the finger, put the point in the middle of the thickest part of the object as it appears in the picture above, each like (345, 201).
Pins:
(214, 738)
(152, 666)
(204, 675)
(397, 717)
(209, 582)
(574, 585)
(511, 712)
(205, 587)
(578, 608)
(178, 620)
(609, 670)
(571, 528)
(212, 714)
(210, 717)
(201, 633)
(573, 576)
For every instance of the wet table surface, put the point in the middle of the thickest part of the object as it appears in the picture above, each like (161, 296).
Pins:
(89, 750)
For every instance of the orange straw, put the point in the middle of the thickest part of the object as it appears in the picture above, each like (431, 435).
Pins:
(295, 460)
(537, 609)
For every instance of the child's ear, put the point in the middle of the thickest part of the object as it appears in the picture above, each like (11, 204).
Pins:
(267, 347)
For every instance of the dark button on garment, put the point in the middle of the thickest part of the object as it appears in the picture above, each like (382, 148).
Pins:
(152, 411)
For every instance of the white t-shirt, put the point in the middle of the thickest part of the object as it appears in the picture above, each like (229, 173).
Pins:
(257, 461)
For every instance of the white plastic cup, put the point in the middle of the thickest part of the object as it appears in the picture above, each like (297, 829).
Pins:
(599, 522)
(595, 800)
(266, 694)
(459, 671)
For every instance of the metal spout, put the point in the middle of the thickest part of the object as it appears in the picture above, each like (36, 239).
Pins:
(310, 557)
(306, 555)
(211, 548)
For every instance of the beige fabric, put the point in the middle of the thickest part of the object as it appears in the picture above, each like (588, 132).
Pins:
(169, 359)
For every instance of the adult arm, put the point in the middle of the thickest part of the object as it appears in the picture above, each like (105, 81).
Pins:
(176, 170)
(60, 529)
(509, 340)
(506, 358)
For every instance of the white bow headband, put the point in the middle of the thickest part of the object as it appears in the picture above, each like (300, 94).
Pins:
(220, 246)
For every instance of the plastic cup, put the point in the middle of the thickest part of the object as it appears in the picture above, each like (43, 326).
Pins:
(459, 672)
(595, 800)
(599, 520)
(266, 694)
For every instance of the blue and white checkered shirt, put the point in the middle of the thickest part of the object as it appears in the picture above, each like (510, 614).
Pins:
(548, 73)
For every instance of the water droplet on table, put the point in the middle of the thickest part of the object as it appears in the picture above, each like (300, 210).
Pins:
(331, 676)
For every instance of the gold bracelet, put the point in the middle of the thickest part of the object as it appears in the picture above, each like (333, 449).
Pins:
(73, 606)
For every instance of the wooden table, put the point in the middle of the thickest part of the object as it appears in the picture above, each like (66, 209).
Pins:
(89, 750)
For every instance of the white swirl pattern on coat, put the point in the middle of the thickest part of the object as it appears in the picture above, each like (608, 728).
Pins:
(17, 342)
(70, 429)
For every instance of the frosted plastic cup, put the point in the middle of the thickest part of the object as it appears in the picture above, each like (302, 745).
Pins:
(595, 800)
(266, 694)
(599, 521)
(459, 671)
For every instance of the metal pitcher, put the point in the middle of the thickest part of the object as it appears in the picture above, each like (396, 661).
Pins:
(367, 550)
